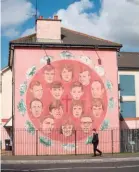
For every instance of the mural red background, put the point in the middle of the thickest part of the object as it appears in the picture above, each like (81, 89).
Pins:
(47, 98)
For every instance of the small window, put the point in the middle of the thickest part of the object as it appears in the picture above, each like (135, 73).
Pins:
(128, 109)
(127, 85)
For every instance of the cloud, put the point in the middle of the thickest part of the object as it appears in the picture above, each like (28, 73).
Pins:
(134, 1)
(117, 20)
(11, 32)
(13, 14)
(28, 32)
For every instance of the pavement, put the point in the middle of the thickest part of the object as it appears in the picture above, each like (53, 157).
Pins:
(70, 163)
(69, 159)
(121, 166)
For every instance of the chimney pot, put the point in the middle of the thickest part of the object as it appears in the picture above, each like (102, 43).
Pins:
(40, 17)
(55, 17)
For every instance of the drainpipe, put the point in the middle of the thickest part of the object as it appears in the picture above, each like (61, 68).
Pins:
(13, 101)
(118, 50)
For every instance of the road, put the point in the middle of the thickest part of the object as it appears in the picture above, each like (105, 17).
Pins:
(74, 167)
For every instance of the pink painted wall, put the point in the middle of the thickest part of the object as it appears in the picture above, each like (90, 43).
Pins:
(44, 122)
(5, 134)
(132, 124)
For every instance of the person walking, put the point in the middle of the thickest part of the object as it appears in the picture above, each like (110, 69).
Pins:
(95, 142)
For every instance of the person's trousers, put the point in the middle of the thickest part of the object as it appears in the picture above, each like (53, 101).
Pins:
(95, 149)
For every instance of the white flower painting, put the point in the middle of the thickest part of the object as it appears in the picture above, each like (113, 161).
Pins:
(43, 60)
(69, 147)
(66, 55)
(100, 70)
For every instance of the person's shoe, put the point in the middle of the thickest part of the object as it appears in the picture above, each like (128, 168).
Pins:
(101, 154)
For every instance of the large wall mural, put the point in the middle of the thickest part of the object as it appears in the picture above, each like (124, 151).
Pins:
(72, 93)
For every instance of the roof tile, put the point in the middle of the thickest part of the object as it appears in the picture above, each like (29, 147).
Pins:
(128, 60)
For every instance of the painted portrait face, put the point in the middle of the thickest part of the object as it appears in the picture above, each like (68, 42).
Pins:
(97, 111)
(66, 75)
(97, 107)
(37, 91)
(36, 108)
(86, 124)
(57, 112)
(57, 90)
(97, 90)
(84, 78)
(77, 111)
(49, 75)
(48, 125)
(76, 92)
(67, 129)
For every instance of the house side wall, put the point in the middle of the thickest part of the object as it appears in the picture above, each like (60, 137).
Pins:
(132, 123)
(6, 104)
(30, 126)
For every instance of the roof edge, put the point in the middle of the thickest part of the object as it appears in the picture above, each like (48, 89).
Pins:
(128, 68)
(24, 37)
(38, 44)
(129, 52)
(5, 69)
(7, 122)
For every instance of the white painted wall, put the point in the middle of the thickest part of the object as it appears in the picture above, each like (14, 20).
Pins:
(6, 95)
(5, 103)
(0, 95)
(0, 109)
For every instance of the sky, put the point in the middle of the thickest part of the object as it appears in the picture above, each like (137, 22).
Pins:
(114, 20)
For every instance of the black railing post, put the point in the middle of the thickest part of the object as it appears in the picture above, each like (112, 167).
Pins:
(75, 143)
(112, 140)
(36, 142)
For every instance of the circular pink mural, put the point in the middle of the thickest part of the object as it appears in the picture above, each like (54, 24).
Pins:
(66, 96)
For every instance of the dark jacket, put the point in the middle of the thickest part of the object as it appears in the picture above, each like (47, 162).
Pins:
(95, 139)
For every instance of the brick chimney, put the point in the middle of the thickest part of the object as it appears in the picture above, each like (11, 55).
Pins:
(48, 30)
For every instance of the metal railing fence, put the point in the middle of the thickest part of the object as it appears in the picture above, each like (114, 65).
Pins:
(38, 142)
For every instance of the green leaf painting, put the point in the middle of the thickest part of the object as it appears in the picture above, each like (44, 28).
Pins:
(23, 88)
(45, 141)
(69, 147)
(30, 128)
(66, 55)
(31, 71)
(111, 103)
(109, 85)
(105, 125)
(21, 107)
(44, 59)
(89, 140)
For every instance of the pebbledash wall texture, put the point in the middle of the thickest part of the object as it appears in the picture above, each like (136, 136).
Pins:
(58, 104)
